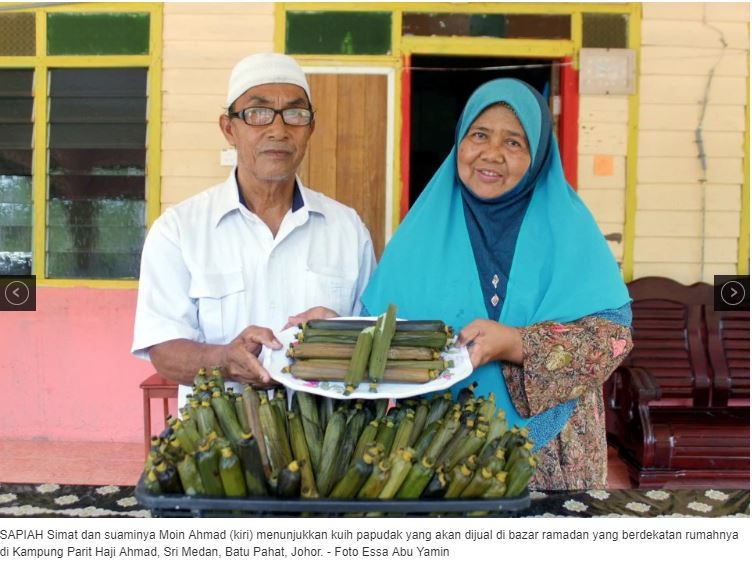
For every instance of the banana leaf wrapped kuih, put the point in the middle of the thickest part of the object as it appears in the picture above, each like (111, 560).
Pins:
(257, 452)
(377, 350)
(371, 358)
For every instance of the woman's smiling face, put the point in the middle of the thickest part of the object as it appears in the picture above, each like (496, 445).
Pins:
(494, 154)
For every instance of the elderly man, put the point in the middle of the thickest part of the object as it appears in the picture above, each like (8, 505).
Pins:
(222, 270)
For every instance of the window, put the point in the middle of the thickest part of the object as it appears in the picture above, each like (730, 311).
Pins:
(15, 171)
(346, 33)
(510, 26)
(98, 34)
(17, 34)
(73, 163)
(96, 176)
(604, 31)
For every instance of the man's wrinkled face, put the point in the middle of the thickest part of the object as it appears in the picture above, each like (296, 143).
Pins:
(269, 152)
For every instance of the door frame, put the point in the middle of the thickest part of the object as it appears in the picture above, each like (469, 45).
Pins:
(556, 50)
(405, 45)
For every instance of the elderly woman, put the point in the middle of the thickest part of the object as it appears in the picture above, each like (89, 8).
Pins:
(499, 244)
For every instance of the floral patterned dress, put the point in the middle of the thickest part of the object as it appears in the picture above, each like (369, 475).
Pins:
(563, 362)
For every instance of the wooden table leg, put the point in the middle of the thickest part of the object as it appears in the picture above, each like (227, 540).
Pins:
(156, 387)
(147, 422)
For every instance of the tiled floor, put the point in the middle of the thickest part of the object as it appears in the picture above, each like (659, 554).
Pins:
(84, 463)
(107, 463)
(618, 477)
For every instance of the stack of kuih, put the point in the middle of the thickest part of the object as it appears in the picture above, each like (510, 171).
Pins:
(247, 444)
(385, 349)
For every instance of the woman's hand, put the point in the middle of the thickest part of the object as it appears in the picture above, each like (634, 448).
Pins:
(310, 314)
(489, 341)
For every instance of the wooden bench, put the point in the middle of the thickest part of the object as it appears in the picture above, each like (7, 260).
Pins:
(677, 409)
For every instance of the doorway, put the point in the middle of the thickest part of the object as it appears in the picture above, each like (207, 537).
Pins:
(440, 86)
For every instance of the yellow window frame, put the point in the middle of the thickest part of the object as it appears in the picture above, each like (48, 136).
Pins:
(41, 63)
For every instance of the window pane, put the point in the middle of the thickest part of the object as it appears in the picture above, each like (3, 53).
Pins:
(352, 33)
(17, 35)
(110, 135)
(82, 109)
(16, 106)
(604, 31)
(13, 135)
(75, 265)
(95, 238)
(532, 26)
(98, 34)
(15, 189)
(15, 109)
(510, 26)
(100, 214)
(16, 210)
(93, 83)
(112, 229)
(96, 213)
(15, 162)
(80, 186)
(15, 225)
(440, 24)
(98, 108)
(15, 263)
(85, 173)
(15, 215)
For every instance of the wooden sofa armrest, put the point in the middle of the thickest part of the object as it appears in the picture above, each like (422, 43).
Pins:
(633, 386)
(628, 424)
(642, 385)
(728, 352)
(627, 394)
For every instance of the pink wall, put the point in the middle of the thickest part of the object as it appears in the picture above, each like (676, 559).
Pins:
(66, 370)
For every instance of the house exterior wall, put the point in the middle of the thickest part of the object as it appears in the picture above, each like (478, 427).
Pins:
(601, 164)
(69, 363)
(202, 42)
(68, 370)
(694, 76)
(687, 221)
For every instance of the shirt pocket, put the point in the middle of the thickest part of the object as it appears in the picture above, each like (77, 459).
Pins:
(220, 297)
(330, 288)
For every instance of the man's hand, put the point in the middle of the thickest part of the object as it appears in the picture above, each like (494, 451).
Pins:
(310, 314)
(239, 358)
(489, 341)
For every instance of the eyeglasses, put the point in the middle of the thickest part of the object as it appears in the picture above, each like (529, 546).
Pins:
(265, 116)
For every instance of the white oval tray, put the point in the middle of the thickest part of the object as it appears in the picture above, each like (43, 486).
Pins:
(276, 360)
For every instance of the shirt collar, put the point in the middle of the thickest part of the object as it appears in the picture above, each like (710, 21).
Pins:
(297, 198)
(230, 199)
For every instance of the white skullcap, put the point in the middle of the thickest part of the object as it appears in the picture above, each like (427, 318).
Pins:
(265, 68)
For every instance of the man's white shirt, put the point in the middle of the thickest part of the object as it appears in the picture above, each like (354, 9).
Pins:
(210, 267)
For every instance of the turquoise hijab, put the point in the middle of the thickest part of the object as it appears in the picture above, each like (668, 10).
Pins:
(561, 268)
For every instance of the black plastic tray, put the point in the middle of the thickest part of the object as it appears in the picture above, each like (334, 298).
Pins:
(171, 506)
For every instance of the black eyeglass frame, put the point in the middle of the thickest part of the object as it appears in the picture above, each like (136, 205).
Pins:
(281, 112)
